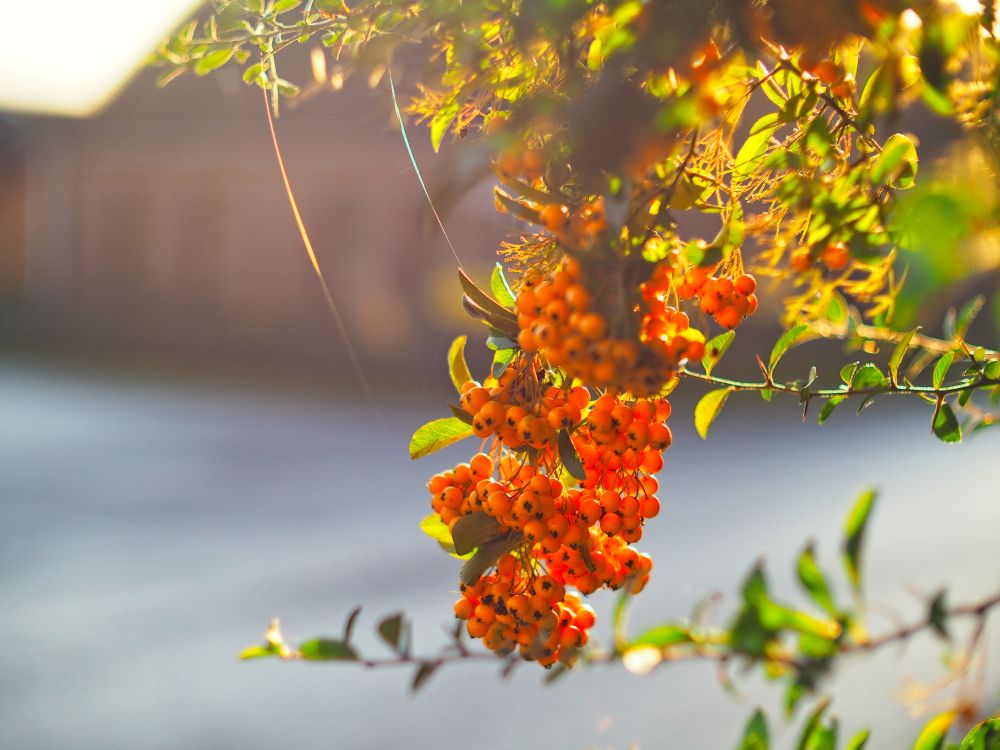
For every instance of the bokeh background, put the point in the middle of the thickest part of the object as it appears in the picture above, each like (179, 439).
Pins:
(185, 451)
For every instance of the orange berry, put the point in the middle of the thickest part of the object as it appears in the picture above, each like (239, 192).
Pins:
(728, 317)
(464, 608)
(836, 256)
(801, 260)
(553, 217)
(481, 465)
(591, 326)
(611, 523)
(746, 284)
(649, 506)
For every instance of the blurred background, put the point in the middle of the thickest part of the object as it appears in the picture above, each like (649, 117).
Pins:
(185, 451)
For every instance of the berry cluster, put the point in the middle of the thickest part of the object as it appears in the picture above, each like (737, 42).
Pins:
(729, 300)
(519, 410)
(577, 229)
(836, 256)
(556, 317)
(510, 610)
(576, 534)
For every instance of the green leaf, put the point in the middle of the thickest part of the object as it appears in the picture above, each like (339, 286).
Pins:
(933, 735)
(255, 74)
(752, 152)
(854, 535)
(662, 636)
(967, 314)
(896, 165)
(832, 403)
(945, 424)
(215, 59)
(501, 360)
(391, 630)
(486, 556)
(941, 368)
(708, 409)
(783, 344)
(898, 353)
(501, 289)
(866, 377)
(327, 649)
(257, 652)
(813, 580)
(812, 724)
(983, 736)
(485, 307)
(847, 372)
(715, 348)
(436, 435)
(441, 122)
(755, 736)
(859, 740)
(472, 529)
(823, 738)
(280, 6)
(457, 367)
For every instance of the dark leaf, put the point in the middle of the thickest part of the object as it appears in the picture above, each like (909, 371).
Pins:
(423, 673)
(472, 529)
(391, 631)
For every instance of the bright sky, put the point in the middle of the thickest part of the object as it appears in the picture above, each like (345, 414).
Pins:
(70, 57)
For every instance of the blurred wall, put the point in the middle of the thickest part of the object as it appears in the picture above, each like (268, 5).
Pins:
(161, 227)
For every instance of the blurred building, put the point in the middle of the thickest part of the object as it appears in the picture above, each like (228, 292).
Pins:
(161, 227)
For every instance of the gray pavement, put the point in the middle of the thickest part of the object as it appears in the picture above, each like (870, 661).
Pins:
(149, 530)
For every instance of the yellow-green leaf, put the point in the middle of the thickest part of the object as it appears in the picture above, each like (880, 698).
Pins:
(715, 348)
(708, 409)
(438, 434)
(898, 353)
(788, 338)
(934, 733)
(457, 367)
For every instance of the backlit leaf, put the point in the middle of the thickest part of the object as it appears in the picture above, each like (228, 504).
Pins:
(501, 289)
(715, 348)
(934, 733)
(783, 344)
(436, 435)
(457, 367)
(708, 409)
(898, 353)
(941, 368)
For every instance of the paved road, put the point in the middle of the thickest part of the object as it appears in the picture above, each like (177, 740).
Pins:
(150, 530)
